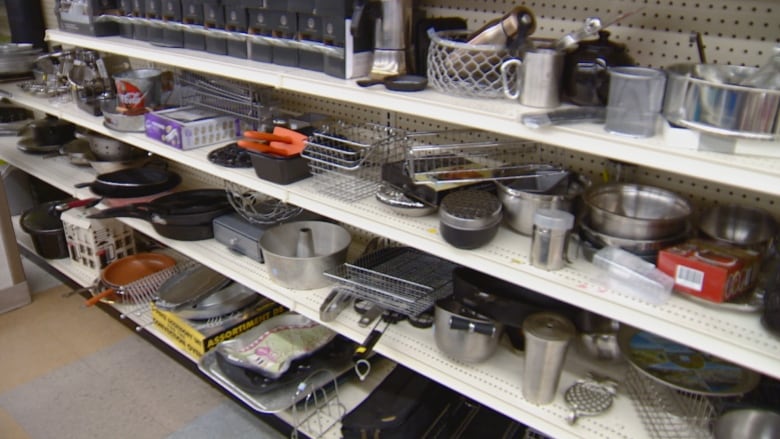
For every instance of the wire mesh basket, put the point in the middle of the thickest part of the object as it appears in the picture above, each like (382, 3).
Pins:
(346, 159)
(252, 104)
(458, 68)
(467, 156)
(393, 279)
(669, 413)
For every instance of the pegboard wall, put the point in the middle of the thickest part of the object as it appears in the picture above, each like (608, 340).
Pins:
(658, 35)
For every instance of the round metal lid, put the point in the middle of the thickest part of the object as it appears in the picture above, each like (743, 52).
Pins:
(549, 326)
(470, 209)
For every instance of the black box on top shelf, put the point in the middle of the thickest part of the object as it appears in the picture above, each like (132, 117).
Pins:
(125, 8)
(153, 11)
(236, 22)
(357, 48)
(334, 8)
(171, 13)
(140, 30)
(284, 24)
(81, 17)
(310, 30)
(214, 18)
(260, 24)
(301, 6)
(192, 14)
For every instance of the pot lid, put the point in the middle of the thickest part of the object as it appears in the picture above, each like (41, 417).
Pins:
(189, 285)
(470, 209)
(549, 326)
(41, 219)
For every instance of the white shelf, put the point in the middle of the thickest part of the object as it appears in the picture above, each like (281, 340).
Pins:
(736, 336)
(500, 116)
(496, 383)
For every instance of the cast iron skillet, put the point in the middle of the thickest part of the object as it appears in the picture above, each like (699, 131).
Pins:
(184, 216)
(133, 182)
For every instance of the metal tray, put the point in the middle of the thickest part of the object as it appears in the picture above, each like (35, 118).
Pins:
(277, 400)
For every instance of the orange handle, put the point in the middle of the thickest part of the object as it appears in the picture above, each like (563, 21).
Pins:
(259, 135)
(98, 297)
(284, 150)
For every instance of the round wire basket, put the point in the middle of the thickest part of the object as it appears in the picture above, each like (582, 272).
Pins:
(471, 70)
(258, 208)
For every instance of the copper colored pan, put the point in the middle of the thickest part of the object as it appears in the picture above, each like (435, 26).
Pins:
(127, 270)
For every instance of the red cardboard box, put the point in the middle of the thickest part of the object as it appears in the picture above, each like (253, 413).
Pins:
(710, 270)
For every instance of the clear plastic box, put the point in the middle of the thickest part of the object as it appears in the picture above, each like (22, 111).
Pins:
(633, 275)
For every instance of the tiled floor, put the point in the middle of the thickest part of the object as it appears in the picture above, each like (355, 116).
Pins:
(70, 372)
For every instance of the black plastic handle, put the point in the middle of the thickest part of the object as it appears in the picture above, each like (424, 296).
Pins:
(461, 324)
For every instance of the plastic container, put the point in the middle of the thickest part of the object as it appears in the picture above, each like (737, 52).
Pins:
(279, 169)
(634, 276)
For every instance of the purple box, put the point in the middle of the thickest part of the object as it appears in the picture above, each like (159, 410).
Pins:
(190, 127)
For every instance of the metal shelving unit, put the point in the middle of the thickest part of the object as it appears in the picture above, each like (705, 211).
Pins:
(658, 36)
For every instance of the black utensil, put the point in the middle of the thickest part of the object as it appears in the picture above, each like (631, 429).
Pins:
(398, 82)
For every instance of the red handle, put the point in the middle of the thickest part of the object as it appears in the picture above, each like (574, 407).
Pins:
(260, 135)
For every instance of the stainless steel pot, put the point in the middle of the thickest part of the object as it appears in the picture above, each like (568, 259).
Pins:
(752, 228)
(706, 97)
(636, 211)
(298, 253)
(520, 203)
(463, 334)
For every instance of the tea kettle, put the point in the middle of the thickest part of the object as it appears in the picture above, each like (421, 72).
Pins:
(392, 34)
(585, 76)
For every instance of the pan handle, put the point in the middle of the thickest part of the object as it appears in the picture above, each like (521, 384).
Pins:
(98, 297)
(138, 210)
(260, 135)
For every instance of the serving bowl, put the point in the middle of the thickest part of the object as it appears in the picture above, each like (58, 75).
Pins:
(752, 228)
(635, 211)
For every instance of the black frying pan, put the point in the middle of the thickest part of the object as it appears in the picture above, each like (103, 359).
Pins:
(186, 208)
(398, 82)
(133, 182)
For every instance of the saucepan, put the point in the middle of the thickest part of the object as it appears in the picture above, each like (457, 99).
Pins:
(124, 272)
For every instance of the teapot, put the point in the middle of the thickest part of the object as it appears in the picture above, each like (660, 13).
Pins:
(585, 71)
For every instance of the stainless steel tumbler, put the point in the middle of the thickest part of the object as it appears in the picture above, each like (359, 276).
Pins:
(547, 337)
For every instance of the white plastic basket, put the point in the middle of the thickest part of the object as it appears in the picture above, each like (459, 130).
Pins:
(96, 243)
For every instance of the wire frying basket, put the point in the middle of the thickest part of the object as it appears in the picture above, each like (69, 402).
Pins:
(668, 413)
(467, 156)
(346, 159)
(394, 278)
(252, 104)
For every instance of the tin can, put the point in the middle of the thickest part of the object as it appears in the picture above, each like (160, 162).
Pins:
(138, 89)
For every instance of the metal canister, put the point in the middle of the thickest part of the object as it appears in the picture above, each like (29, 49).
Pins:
(547, 337)
(549, 242)
(138, 89)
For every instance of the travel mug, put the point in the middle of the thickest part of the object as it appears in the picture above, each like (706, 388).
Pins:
(535, 80)
(636, 96)
(547, 336)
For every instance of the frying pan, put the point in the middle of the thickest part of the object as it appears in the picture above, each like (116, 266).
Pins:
(398, 82)
(133, 182)
(127, 270)
(184, 216)
(283, 141)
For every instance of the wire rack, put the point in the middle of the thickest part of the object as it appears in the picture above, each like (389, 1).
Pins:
(393, 279)
(346, 159)
(668, 413)
(320, 407)
(252, 104)
(465, 156)
(258, 208)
